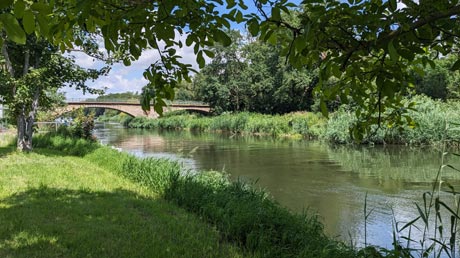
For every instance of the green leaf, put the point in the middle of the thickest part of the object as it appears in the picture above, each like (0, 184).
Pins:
(43, 24)
(456, 66)
(43, 8)
(253, 27)
(393, 5)
(126, 62)
(19, 8)
(392, 51)
(12, 28)
(407, 54)
(272, 39)
(222, 37)
(239, 17)
(200, 60)
(158, 106)
(5, 3)
(28, 21)
(164, 32)
(242, 5)
(276, 14)
(230, 4)
(323, 107)
(209, 53)
(189, 40)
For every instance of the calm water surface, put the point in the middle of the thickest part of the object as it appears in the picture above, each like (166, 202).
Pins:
(330, 180)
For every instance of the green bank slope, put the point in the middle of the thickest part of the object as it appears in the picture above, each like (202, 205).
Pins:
(67, 206)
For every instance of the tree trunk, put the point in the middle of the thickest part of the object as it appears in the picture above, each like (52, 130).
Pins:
(25, 123)
(24, 143)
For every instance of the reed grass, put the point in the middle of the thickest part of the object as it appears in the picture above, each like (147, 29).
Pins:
(429, 116)
(305, 124)
(438, 217)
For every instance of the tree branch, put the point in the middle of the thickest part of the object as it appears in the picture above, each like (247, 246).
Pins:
(431, 18)
(9, 65)
(25, 69)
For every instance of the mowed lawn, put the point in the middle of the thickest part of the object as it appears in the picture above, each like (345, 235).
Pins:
(63, 206)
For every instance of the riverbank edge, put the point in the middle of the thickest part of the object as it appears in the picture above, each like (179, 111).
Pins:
(298, 125)
(243, 215)
(432, 124)
(57, 205)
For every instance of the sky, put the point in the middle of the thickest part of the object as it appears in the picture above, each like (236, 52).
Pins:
(129, 78)
(122, 78)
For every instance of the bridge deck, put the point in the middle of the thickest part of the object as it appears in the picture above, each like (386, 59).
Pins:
(133, 104)
(134, 108)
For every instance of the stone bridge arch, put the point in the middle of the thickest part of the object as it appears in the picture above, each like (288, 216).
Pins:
(132, 109)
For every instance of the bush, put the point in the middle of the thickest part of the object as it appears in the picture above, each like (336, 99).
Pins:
(83, 125)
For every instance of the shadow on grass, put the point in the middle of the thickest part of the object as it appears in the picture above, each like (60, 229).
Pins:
(7, 150)
(48, 222)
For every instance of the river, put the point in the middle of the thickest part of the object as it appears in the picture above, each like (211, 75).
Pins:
(331, 181)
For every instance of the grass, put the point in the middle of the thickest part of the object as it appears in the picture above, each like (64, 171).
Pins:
(430, 117)
(232, 212)
(55, 205)
(297, 125)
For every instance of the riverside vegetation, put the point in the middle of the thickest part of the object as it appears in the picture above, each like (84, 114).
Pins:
(70, 193)
(61, 203)
(68, 184)
(429, 118)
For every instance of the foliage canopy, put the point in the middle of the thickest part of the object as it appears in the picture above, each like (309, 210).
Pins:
(371, 47)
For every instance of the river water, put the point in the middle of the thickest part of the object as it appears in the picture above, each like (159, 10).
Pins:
(331, 181)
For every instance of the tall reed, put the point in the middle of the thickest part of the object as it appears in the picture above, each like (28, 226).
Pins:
(437, 222)
(293, 124)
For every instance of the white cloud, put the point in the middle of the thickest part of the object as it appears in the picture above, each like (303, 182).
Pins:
(125, 78)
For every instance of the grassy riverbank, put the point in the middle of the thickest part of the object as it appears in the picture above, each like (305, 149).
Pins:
(430, 117)
(290, 125)
(56, 205)
(106, 203)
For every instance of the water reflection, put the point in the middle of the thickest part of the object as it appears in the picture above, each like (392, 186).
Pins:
(331, 180)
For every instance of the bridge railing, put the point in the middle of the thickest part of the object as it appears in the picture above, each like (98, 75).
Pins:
(136, 101)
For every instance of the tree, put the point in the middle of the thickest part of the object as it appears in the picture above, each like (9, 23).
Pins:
(249, 75)
(370, 47)
(126, 26)
(31, 76)
(222, 82)
(276, 87)
(439, 82)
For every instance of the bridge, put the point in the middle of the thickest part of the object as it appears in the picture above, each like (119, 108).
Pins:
(132, 107)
